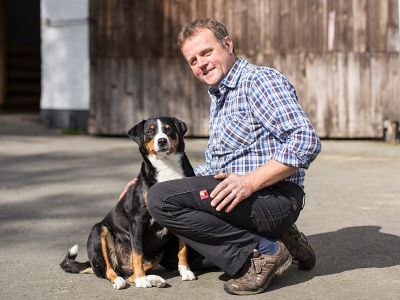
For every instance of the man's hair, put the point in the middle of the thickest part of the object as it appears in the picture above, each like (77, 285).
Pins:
(217, 28)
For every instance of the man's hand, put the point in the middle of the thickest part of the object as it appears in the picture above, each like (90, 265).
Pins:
(235, 188)
(231, 190)
(130, 183)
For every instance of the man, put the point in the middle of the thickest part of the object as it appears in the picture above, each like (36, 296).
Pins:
(240, 209)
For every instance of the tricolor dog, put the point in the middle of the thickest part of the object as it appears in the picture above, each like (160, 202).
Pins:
(128, 242)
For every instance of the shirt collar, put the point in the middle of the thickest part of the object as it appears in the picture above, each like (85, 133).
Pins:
(232, 78)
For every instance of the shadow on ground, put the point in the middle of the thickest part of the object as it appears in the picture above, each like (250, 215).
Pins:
(344, 250)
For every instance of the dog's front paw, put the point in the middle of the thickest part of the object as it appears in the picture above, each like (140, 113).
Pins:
(143, 282)
(119, 283)
(156, 281)
(186, 273)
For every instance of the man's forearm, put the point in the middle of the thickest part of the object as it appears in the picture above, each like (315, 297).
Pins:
(269, 174)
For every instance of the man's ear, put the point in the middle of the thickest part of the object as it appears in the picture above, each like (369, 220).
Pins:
(228, 43)
(136, 132)
(182, 127)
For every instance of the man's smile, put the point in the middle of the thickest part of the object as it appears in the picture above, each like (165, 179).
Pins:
(205, 73)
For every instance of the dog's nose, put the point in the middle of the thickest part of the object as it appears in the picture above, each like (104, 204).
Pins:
(162, 142)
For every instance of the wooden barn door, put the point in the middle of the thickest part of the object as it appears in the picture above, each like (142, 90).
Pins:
(342, 57)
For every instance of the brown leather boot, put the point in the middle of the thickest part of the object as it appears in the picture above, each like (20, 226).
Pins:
(299, 248)
(258, 271)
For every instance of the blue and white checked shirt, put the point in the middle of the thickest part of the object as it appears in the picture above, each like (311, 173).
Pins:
(255, 117)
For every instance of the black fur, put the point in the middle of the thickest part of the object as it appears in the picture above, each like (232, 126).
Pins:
(129, 221)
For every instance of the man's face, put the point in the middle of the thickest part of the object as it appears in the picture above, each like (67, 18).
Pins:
(209, 59)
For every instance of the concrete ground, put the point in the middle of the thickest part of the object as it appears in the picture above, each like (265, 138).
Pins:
(54, 187)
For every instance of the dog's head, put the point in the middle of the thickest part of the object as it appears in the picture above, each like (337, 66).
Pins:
(159, 136)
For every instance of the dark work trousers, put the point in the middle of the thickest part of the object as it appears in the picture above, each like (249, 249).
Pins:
(224, 239)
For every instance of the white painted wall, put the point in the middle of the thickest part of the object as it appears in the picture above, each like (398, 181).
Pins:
(65, 54)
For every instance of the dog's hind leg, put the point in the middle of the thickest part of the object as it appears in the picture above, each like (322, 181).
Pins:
(183, 266)
(98, 253)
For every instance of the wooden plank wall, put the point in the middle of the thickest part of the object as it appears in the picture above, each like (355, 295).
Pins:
(341, 55)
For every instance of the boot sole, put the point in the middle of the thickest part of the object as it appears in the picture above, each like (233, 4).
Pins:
(278, 272)
(303, 265)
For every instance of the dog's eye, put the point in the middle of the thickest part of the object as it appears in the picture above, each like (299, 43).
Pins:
(167, 130)
(149, 131)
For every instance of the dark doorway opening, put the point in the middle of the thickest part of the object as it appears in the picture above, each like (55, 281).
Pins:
(21, 56)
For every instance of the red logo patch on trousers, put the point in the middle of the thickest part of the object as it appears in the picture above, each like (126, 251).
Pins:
(203, 194)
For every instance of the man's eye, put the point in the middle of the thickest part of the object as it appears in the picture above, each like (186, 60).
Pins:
(208, 53)
(193, 62)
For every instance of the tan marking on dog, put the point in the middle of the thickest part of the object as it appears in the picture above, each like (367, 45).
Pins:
(145, 199)
(110, 273)
(142, 268)
(151, 264)
(182, 254)
(150, 147)
(87, 271)
(136, 265)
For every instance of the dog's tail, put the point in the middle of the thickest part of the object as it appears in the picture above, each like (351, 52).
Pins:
(70, 265)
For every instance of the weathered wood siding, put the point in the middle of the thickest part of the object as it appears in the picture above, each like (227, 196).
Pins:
(341, 55)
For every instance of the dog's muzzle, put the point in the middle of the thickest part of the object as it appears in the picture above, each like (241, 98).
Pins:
(162, 145)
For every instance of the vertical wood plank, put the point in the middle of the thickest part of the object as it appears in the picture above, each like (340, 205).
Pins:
(359, 8)
(377, 12)
(219, 11)
(378, 90)
(201, 9)
(253, 28)
(393, 39)
(274, 23)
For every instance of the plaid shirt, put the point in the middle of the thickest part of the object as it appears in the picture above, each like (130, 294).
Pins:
(255, 117)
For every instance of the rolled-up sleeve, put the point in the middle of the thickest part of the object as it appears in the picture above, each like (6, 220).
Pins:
(274, 102)
(202, 170)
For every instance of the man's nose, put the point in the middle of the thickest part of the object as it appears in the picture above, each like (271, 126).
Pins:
(202, 61)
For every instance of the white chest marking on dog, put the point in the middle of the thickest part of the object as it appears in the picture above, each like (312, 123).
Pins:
(161, 233)
(168, 167)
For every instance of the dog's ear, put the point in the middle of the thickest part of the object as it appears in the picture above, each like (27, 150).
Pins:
(136, 132)
(182, 127)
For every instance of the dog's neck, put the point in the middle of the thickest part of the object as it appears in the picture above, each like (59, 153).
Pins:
(168, 167)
